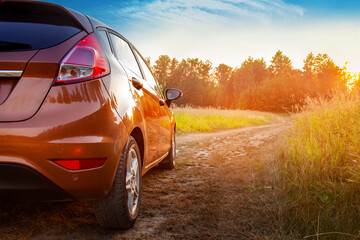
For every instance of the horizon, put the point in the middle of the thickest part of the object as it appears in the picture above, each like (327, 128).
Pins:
(229, 31)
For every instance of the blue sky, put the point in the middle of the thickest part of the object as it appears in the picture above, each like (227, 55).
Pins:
(228, 31)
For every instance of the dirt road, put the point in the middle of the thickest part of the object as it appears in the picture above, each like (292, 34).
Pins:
(216, 192)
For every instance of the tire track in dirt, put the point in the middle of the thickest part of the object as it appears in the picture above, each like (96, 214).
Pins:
(214, 193)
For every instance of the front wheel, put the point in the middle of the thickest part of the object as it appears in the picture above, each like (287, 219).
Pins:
(120, 208)
(169, 162)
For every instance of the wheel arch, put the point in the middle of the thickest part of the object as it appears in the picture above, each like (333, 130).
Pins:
(139, 138)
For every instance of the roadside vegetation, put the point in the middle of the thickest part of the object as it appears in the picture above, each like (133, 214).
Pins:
(253, 85)
(189, 119)
(319, 169)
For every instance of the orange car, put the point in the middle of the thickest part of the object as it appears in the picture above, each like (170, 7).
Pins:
(81, 116)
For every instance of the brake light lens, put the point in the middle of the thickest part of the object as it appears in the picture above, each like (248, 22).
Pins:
(85, 61)
(81, 164)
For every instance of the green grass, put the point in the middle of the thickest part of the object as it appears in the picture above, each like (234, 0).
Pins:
(211, 119)
(319, 169)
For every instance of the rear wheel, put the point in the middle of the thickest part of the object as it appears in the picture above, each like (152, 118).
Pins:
(169, 162)
(120, 208)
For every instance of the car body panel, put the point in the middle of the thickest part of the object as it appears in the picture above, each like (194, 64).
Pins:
(15, 60)
(82, 19)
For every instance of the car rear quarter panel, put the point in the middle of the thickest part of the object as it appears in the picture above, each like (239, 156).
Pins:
(123, 101)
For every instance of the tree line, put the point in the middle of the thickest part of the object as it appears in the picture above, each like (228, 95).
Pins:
(254, 85)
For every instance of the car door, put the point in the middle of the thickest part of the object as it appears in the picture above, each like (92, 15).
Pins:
(145, 98)
(164, 126)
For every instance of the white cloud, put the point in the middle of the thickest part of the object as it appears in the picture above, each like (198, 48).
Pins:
(208, 12)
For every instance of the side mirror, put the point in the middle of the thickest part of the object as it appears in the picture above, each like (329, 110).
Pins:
(172, 94)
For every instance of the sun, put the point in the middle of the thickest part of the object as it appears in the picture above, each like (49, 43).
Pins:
(351, 77)
(353, 67)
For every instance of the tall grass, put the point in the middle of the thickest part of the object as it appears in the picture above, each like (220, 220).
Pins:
(189, 119)
(320, 168)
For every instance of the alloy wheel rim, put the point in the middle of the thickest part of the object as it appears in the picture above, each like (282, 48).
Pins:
(132, 181)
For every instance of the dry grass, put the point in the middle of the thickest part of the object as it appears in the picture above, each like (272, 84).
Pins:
(319, 169)
(189, 119)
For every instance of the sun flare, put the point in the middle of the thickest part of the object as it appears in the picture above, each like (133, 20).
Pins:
(351, 75)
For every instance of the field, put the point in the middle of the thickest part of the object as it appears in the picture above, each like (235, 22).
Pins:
(190, 120)
(319, 169)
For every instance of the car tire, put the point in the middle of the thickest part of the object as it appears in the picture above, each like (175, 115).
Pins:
(120, 208)
(169, 162)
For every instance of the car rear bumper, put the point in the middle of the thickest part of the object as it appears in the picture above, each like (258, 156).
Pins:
(75, 121)
(19, 183)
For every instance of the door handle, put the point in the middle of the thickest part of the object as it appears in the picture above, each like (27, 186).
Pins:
(136, 83)
(161, 102)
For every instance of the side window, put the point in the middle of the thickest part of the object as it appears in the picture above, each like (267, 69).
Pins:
(105, 38)
(148, 75)
(124, 54)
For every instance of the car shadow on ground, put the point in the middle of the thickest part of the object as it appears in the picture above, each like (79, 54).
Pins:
(54, 220)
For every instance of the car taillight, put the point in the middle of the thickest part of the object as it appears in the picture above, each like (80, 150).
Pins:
(80, 164)
(85, 61)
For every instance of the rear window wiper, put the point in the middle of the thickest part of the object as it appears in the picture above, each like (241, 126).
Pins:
(10, 46)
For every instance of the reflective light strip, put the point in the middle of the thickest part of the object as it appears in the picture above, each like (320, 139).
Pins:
(10, 73)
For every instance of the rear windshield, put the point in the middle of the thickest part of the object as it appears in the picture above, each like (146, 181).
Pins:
(31, 26)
